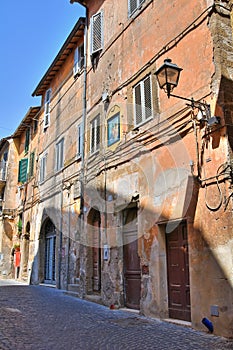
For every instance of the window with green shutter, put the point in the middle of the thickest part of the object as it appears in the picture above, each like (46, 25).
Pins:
(23, 167)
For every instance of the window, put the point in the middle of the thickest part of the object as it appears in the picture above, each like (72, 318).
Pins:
(23, 168)
(133, 5)
(43, 161)
(31, 165)
(60, 155)
(95, 134)
(35, 126)
(27, 140)
(80, 141)
(142, 101)
(96, 32)
(78, 60)
(47, 108)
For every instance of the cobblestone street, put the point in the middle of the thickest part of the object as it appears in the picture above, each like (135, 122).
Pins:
(38, 317)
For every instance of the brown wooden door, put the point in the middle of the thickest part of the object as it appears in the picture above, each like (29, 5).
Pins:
(178, 273)
(132, 272)
(96, 256)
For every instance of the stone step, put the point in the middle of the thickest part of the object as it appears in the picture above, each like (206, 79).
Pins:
(94, 298)
(74, 287)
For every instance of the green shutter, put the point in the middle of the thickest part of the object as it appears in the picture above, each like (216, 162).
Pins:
(23, 167)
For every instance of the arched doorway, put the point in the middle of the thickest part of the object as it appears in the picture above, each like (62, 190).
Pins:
(95, 248)
(50, 253)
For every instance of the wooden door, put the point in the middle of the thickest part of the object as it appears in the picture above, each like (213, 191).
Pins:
(132, 271)
(96, 256)
(50, 244)
(178, 273)
(50, 253)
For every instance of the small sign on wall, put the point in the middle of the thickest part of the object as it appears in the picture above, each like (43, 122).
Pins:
(106, 252)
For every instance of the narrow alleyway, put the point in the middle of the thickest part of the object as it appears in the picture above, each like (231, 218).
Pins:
(38, 317)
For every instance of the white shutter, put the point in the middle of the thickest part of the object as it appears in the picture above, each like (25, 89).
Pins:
(43, 167)
(138, 104)
(80, 140)
(133, 5)
(142, 101)
(60, 155)
(95, 134)
(47, 108)
(147, 97)
(96, 32)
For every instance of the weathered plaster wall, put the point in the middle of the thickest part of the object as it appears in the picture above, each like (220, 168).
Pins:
(165, 158)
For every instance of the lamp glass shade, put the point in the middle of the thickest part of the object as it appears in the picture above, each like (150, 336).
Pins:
(168, 75)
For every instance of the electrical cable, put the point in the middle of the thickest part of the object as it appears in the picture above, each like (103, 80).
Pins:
(218, 187)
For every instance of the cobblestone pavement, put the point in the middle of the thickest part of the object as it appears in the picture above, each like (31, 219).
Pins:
(41, 318)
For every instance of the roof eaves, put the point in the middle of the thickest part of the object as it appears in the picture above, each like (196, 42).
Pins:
(25, 123)
(77, 32)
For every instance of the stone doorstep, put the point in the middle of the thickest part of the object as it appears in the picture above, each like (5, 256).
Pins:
(178, 322)
(134, 311)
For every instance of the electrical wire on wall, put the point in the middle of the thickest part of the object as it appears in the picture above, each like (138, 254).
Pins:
(219, 174)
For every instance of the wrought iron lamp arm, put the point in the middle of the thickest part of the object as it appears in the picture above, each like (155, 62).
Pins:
(196, 104)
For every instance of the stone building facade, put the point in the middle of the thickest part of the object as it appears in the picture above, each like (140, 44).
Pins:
(132, 193)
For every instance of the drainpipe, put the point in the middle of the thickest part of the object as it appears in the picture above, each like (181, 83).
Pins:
(84, 104)
(84, 115)
(60, 241)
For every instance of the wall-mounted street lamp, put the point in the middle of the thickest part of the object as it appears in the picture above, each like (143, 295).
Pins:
(168, 77)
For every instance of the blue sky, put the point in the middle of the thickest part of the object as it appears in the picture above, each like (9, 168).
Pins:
(31, 34)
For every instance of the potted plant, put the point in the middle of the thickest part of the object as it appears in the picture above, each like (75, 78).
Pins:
(16, 247)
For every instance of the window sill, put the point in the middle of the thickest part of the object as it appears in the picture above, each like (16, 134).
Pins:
(142, 123)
